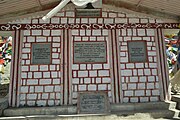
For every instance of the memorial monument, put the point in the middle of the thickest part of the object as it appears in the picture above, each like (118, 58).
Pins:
(87, 61)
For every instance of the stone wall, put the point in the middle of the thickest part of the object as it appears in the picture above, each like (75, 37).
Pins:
(44, 85)
(41, 84)
(140, 81)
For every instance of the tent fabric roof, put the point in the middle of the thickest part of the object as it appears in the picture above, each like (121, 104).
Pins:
(163, 8)
(166, 6)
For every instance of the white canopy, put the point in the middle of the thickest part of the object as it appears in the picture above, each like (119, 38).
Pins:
(63, 3)
(167, 10)
(82, 2)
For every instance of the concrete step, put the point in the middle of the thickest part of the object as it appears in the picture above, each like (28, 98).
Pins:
(176, 98)
(154, 109)
(156, 114)
(176, 113)
(126, 115)
(58, 110)
(171, 104)
(65, 110)
(143, 106)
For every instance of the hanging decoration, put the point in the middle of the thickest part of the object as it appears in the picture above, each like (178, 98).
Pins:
(13, 27)
(172, 47)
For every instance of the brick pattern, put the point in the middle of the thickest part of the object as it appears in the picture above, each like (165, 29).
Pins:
(41, 84)
(140, 81)
(90, 77)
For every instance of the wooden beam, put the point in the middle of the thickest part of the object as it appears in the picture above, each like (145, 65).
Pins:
(29, 11)
(141, 9)
(39, 3)
(139, 3)
(117, 3)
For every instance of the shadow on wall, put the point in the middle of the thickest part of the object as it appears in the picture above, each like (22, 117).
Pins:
(3, 104)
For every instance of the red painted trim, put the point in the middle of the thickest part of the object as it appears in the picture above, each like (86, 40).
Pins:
(13, 27)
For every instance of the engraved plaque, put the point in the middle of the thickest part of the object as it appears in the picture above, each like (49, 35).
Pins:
(41, 53)
(93, 102)
(137, 51)
(88, 12)
(90, 52)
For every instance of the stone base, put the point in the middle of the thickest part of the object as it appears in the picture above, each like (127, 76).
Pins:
(155, 110)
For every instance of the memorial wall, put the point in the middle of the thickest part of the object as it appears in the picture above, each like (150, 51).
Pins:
(59, 64)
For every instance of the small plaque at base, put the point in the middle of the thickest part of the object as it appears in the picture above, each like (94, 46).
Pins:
(93, 103)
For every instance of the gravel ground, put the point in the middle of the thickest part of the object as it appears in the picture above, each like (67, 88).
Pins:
(138, 116)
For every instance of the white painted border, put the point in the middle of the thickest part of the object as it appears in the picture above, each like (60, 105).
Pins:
(70, 46)
(62, 66)
(19, 67)
(111, 65)
(159, 67)
(119, 69)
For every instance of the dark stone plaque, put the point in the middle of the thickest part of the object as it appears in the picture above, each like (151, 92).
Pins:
(137, 51)
(90, 52)
(93, 102)
(41, 53)
(88, 12)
